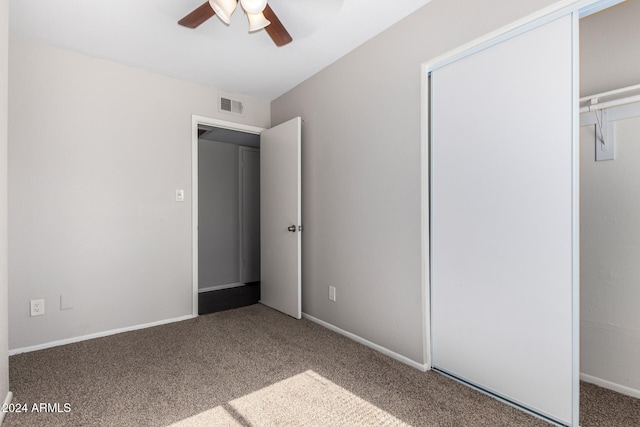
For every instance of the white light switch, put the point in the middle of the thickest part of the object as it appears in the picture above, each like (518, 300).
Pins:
(179, 195)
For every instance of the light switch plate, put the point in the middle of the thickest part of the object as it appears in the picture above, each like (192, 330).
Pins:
(332, 293)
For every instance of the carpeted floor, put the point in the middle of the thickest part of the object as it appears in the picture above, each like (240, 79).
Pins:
(255, 367)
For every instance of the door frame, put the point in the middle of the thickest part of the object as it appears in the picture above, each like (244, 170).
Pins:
(224, 124)
(241, 246)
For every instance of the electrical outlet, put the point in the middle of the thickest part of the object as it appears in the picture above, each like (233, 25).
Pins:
(332, 293)
(37, 307)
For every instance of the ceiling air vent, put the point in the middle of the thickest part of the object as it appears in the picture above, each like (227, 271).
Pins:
(231, 106)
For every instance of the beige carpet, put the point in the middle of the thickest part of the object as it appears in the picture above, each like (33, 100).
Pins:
(251, 367)
(302, 400)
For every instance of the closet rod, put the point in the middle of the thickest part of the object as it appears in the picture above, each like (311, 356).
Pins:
(609, 104)
(611, 92)
(613, 103)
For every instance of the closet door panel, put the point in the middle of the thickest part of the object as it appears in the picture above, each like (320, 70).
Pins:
(501, 219)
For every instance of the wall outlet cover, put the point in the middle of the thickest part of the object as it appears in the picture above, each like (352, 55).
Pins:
(37, 307)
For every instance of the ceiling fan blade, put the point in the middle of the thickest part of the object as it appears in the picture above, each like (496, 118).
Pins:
(276, 30)
(198, 16)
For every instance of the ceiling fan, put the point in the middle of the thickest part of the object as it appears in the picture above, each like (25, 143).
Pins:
(259, 13)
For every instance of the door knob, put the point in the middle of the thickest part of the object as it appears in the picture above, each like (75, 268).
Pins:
(292, 228)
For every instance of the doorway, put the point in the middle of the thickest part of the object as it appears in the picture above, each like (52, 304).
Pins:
(280, 284)
(229, 212)
(226, 220)
(609, 211)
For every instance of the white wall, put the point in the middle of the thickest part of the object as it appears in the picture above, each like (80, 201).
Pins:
(608, 47)
(4, 56)
(218, 214)
(610, 208)
(96, 153)
(361, 171)
(610, 249)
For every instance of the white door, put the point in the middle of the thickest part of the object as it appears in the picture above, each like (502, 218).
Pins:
(249, 215)
(280, 222)
(504, 223)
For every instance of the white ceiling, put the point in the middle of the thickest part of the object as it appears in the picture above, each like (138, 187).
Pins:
(145, 34)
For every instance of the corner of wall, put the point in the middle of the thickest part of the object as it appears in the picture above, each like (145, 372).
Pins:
(4, 310)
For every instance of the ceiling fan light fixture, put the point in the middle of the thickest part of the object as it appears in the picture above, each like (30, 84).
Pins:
(253, 7)
(224, 9)
(257, 21)
(258, 12)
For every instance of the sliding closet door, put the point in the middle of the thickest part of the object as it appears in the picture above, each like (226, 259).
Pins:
(502, 219)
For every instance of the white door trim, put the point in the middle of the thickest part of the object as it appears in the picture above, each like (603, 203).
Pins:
(241, 209)
(207, 121)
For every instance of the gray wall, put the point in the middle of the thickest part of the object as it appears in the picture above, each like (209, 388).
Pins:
(96, 152)
(4, 72)
(361, 171)
(218, 214)
(610, 208)
(608, 49)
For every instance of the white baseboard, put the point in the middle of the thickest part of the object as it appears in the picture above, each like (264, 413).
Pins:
(392, 354)
(7, 401)
(96, 335)
(221, 287)
(622, 389)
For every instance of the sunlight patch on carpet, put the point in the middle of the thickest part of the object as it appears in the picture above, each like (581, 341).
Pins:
(306, 399)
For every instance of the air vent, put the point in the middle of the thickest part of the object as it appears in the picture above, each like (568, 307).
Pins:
(231, 106)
